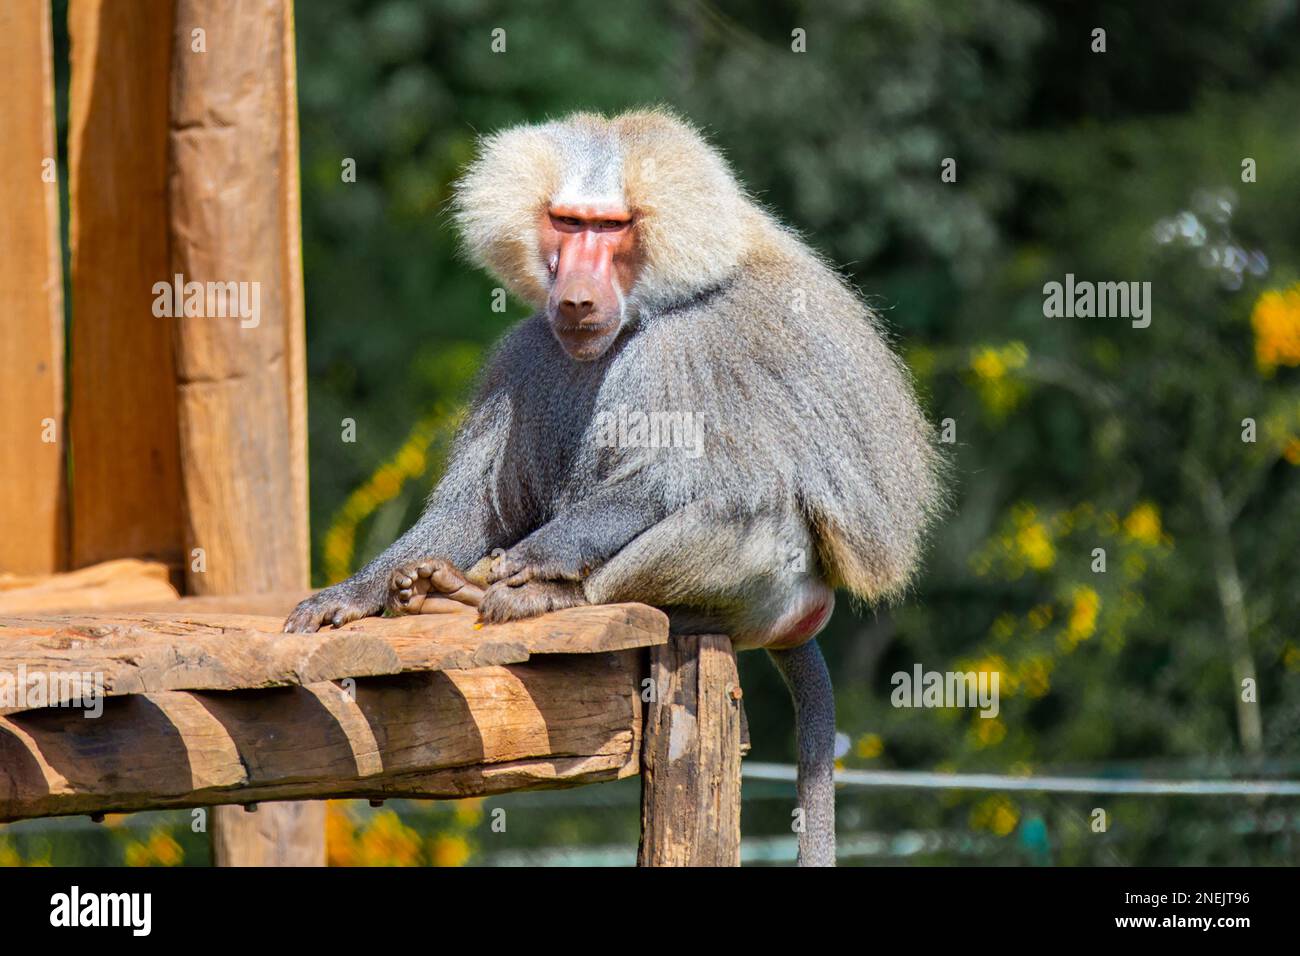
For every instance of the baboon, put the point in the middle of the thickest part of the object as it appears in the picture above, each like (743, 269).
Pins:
(663, 289)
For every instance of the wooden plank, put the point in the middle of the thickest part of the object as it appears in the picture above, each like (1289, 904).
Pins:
(552, 722)
(690, 785)
(142, 652)
(125, 499)
(241, 385)
(112, 584)
(32, 489)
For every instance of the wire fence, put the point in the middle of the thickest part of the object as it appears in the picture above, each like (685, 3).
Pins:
(925, 780)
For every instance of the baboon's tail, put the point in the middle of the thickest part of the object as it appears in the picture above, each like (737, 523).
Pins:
(805, 673)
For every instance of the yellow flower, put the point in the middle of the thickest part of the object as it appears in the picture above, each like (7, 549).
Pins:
(449, 851)
(164, 849)
(1035, 546)
(388, 841)
(1276, 321)
(988, 364)
(160, 850)
(991, 363)
(1292, 451)
(988, 731)
(1083, 615)
(999, 393)
(1143, 524)
(996, 813)
(340, 835)
(870, 746)
(469, 812)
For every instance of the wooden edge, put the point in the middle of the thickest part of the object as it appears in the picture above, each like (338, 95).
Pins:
(73, 659)
(552, 722)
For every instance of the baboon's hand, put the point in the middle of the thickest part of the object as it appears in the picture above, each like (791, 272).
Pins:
(522, 564)
(503, 602)
(346, 601)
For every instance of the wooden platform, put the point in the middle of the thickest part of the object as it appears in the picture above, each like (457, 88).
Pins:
(204, 707)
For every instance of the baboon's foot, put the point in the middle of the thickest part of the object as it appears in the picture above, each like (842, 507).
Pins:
(503, 602)
(430, 586)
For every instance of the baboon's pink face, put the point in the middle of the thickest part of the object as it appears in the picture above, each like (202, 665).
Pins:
(592, 260)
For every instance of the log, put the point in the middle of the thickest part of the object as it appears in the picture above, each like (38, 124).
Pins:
(122, 583)
(32, 489)
(690, 784)
(241, 391)
(555, 721)
(241, 496)
(140, 652)
(125, 497)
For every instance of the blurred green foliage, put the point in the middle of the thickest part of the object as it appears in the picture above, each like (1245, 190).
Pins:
(1071, 434)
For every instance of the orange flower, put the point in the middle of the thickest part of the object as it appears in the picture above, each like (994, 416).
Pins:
(1276, 321)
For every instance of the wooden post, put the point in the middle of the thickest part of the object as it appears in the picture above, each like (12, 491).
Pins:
(690, 783)
(32, 445)
(125, 499)
(233, 211)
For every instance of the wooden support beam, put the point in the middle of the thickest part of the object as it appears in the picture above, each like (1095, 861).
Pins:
(232, 188)
(140, 652)
(241, 498)
(690, 785)
(125, 500)
(555, 721)
(284, 838)
(32, 447)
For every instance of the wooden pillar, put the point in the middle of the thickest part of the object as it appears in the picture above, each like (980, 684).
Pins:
(32, 445)
(125, 499)
(690, 773)
(232, 190)
(273, 834)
